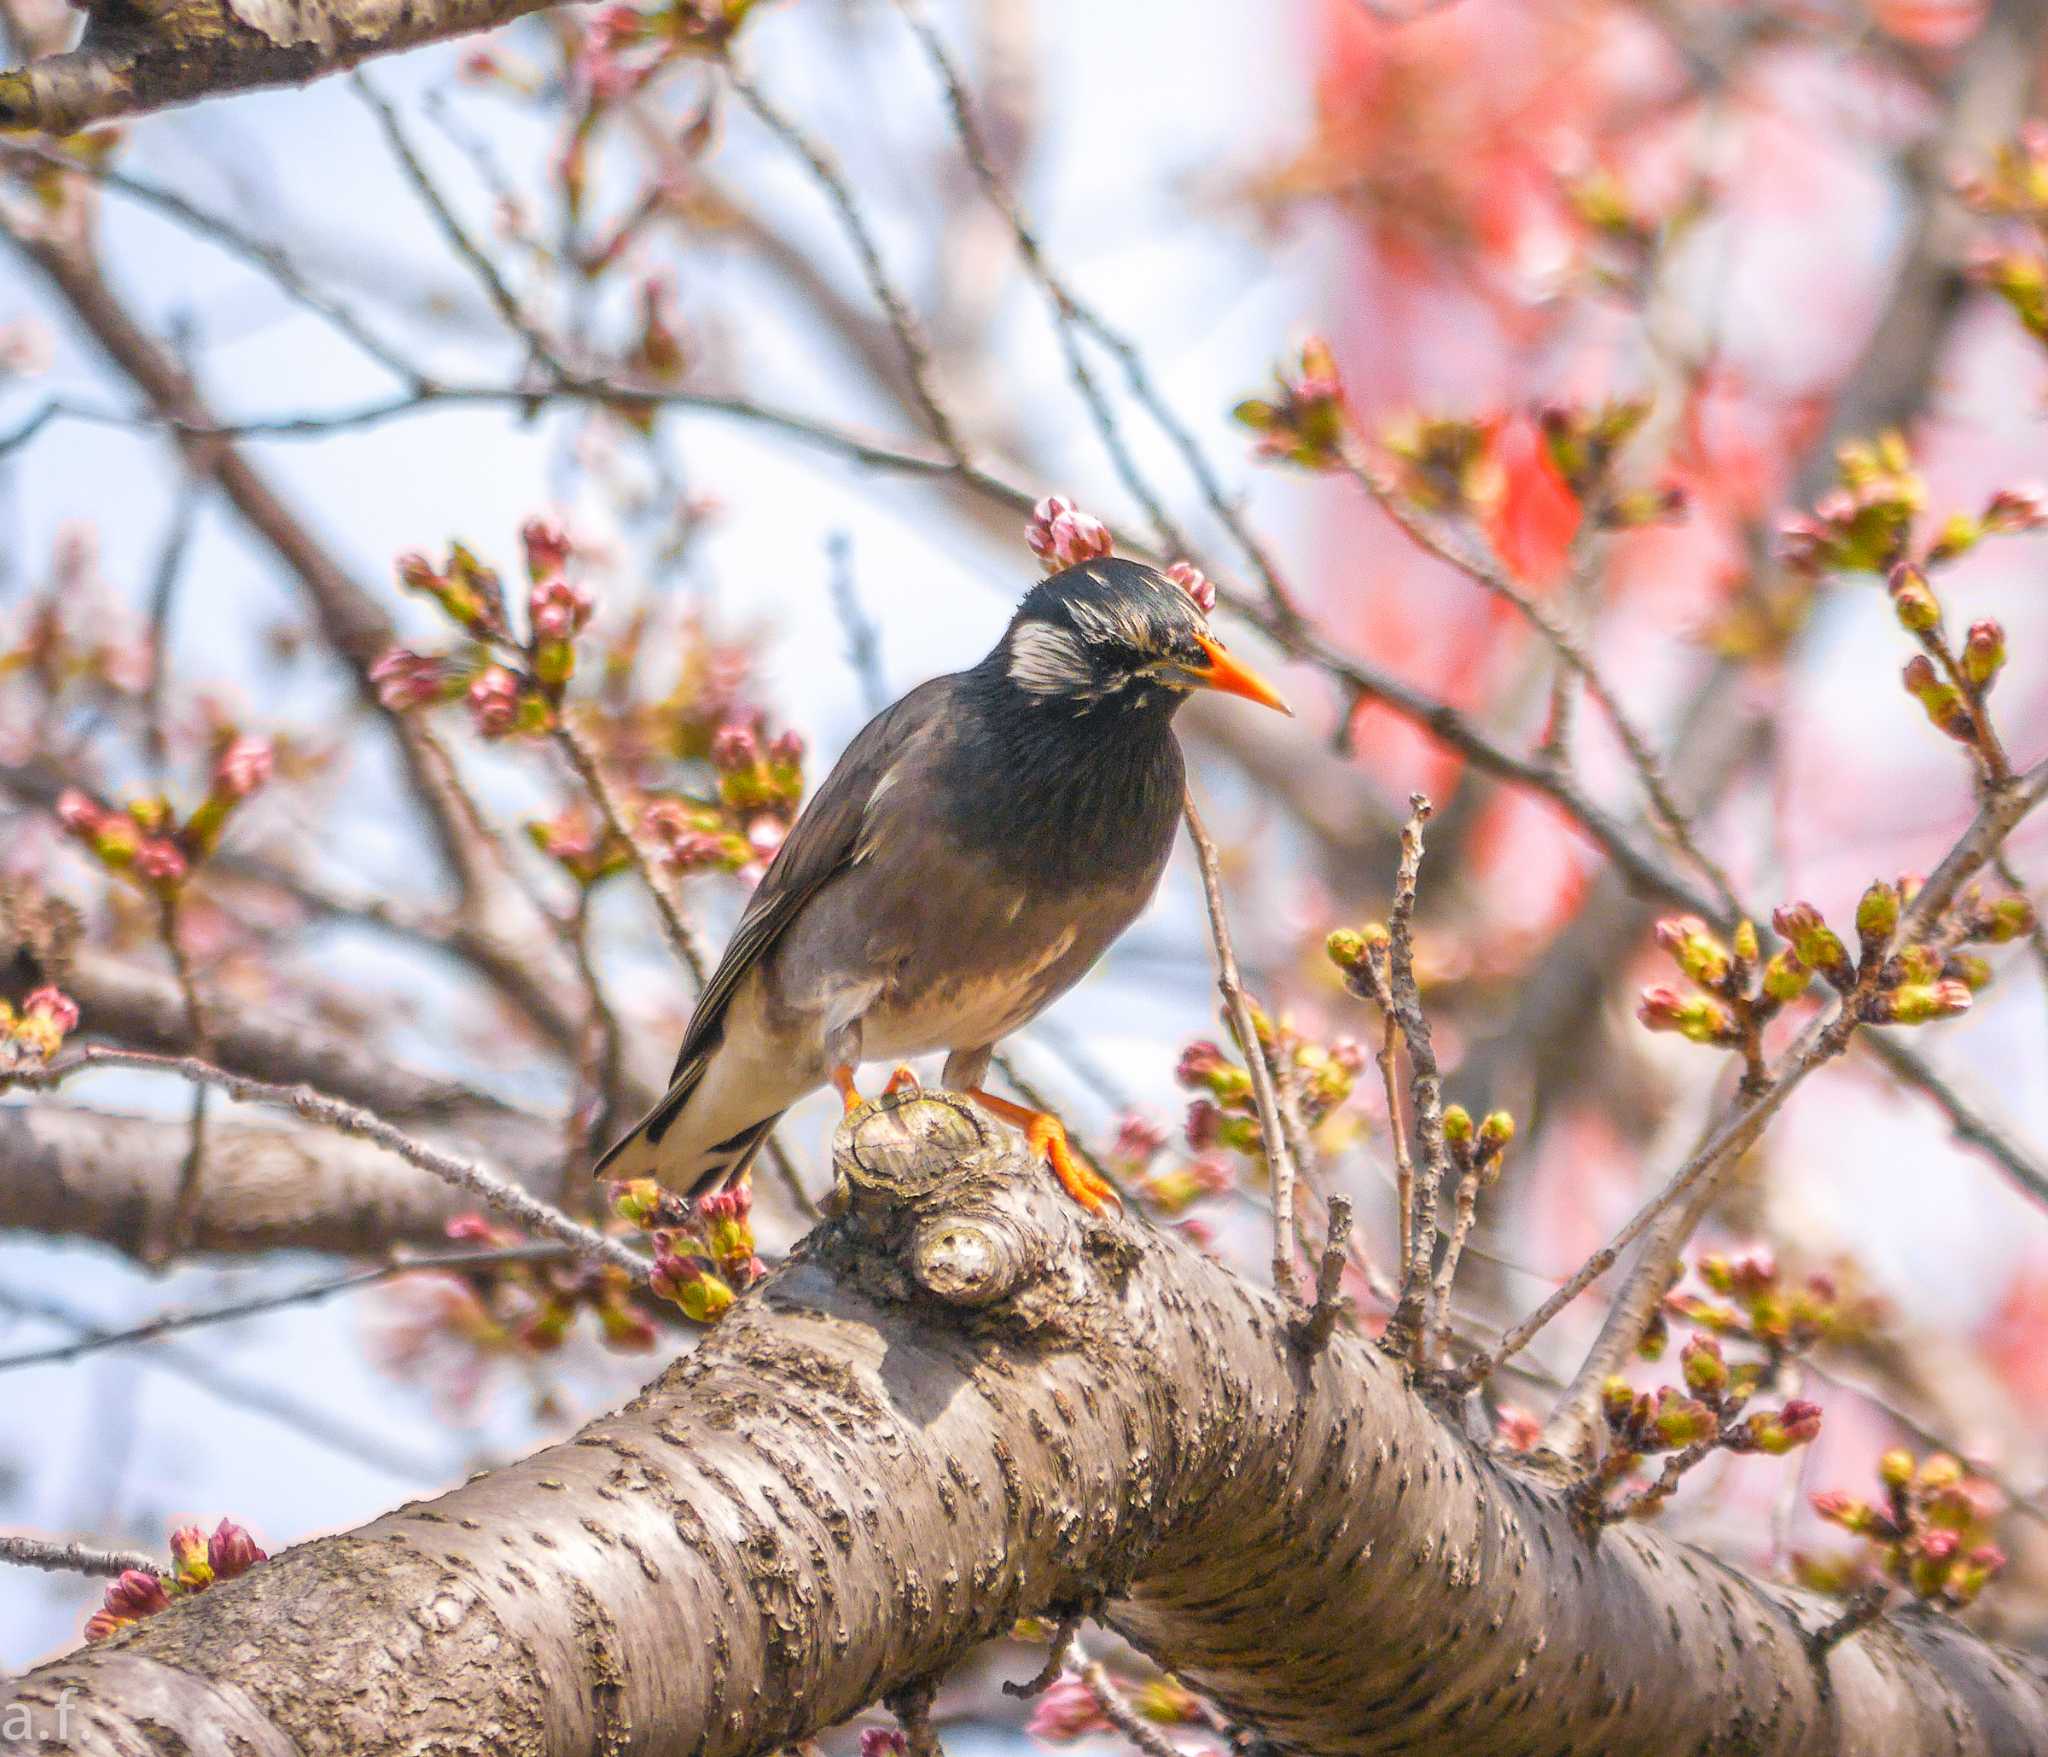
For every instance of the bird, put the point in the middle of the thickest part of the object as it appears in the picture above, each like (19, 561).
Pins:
(975, 850)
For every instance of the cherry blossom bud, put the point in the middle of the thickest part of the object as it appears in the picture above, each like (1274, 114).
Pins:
(1204, 1124)
(242, 767)
(1061, 535)
(1138, 1139)
(405, 680)
(1785, 978)
(231, 1551)
(1705, 1369)
(558, 609)
(1617, 1400)
(1195, 583)
(78, 813)
(1877, 917)
(2011, 917)
(1695, 1017)
(788, 748)
(1816, 944)
(547, 548)
(1917, 1003)
(1846, 1511)
(1516, 1430)
(137, 1594)
(1694, 949)
(734, 746)
(1683, 1421)
(53, 1006)
(189, 1566)
(161, 862)
(1913, 599)
(1895, 1468)
(883, 1742)
(1983, 655)
(494, 702)
(1066, 1709)
(1457, 1124)
(2016, 509)
(1943, 702)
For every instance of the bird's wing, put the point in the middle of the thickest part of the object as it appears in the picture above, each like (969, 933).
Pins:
(826, 839)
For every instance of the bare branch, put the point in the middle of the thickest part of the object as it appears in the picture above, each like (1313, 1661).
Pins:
(72, 1558)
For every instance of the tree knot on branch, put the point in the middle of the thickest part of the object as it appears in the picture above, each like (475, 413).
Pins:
(940, 1204)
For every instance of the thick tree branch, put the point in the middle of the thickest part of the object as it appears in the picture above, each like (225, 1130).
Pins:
(966, 1400)
(147, 54)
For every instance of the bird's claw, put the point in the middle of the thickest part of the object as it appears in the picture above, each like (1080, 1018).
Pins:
(904, 1078)
(1047, 1137)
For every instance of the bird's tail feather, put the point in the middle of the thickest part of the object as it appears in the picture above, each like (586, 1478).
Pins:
(730, 1159)
(636, 1153)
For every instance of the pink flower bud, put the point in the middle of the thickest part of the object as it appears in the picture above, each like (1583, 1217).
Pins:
(231, 1551)
(494, 701)
(1066, 1709)
(788, 748)
(878, 1741)
(1061, 535)
(1197, 1062)
(1138, 1138)
(1195, 583)
(695, 849)
(734, 746)
(405, 680)
(160, 862)
(137, 1594)
(558, 610)
(547, 548)
(78, 813)
(54, 1005)
(243, 767)
(1204, 1124)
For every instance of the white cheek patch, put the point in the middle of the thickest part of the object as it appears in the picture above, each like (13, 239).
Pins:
(1048, 661)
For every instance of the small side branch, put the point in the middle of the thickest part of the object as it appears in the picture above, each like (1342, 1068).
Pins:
(1273, 1134)
(72, 1558)
(1313, 1331)
(1405, 1328)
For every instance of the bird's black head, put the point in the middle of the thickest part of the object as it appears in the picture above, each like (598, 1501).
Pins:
(1116, 636)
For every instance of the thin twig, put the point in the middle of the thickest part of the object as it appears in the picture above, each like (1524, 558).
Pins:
(1313, 1331)
(1273, 1135)
(1437, 1327)
(171, 1323)
(1121, 1715)
(912, 1707)
(863, 644)
(73, 1558)
(184, 1216)
(1404, 1332)
(1055, 1658)
(910, 336)
(350, 1119)
(1484, 572)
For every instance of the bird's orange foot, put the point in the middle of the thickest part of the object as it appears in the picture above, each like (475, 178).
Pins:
(849, 1093)
(1046, 1136)
(905, 1077)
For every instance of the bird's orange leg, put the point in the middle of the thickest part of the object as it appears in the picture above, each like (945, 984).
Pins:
(1046, 1136)
(904, 1077)
(849, 1093)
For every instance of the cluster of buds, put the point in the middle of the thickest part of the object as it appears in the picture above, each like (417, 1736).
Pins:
(1061, 535)
(1932, 1532)
(1476, 1148)
(703, 1250)
(1768, 1307)
(575, 842)
(1193, 581)
(146, 842)
(1583, 442)
(511, 687)
(197, 1561)
(1442, 463)
(1067, 1709)
(1225, 1115)
(1172, 1188)
(2014, 187)
(1306, 422)
(1734, 992)
(758, 785)
(1949, 682)
(530, 1308)
(31, 1033)
(1863, 524)
(1687, 1426)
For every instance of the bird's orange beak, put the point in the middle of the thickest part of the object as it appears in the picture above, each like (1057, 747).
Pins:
(1225, 673)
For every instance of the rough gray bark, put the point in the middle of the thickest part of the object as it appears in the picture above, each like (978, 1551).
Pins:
(140, 55)
(68, 1172)
(962, 1401)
